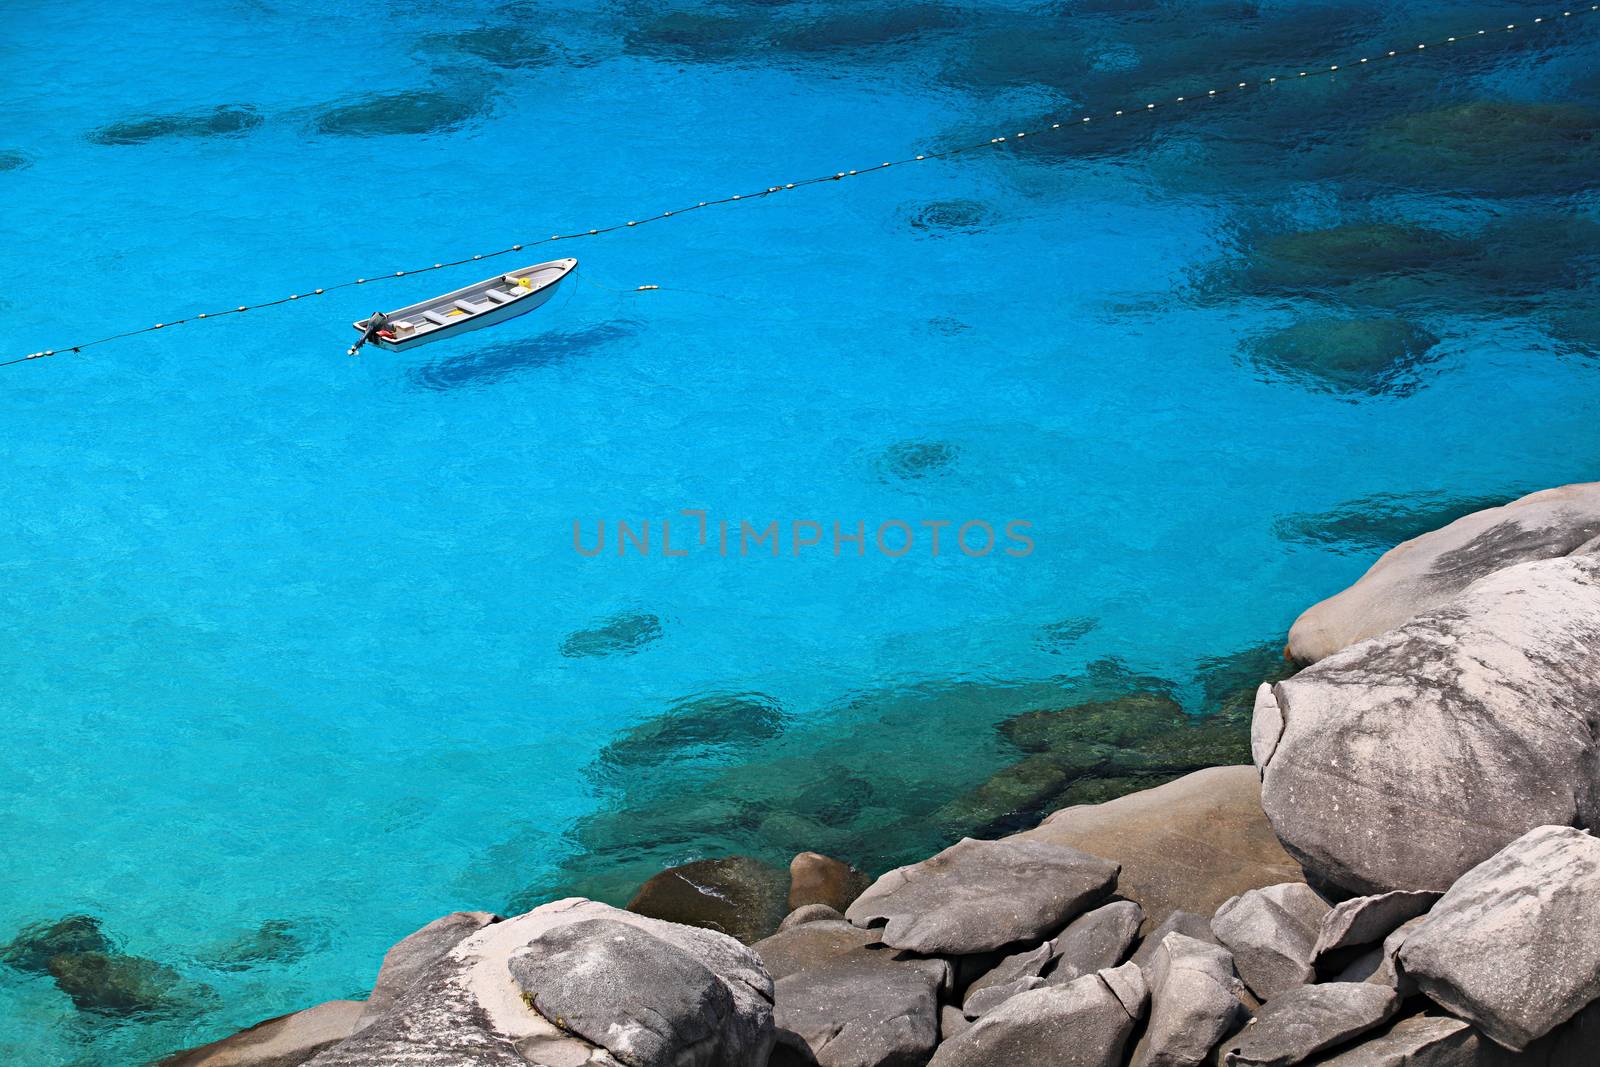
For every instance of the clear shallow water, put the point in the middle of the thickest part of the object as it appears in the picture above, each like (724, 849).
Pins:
(285, 630)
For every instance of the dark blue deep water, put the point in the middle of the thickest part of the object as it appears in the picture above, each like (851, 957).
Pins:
(297, 650)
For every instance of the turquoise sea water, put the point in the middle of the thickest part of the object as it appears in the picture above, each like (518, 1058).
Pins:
(289, 637)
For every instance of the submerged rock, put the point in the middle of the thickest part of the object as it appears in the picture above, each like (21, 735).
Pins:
(1345, 355)
(1491, 147)
(619, 635)
(1405, 760)
(940, 217)
(1123, 722)
(1424, 573)
(1514, 946)
(713, 722)
(1057, 637)
(406, 113)
(274, 941)
(916, 460)
(506, 47)
(13, 161)
(226, 120)
(108, 983)
(944, 905)
(1272, 933)
(848, 28)
(735, 895)
(38, 943)
(1191, 844)
(698, 36)
(1379, 521)
(1316, 260)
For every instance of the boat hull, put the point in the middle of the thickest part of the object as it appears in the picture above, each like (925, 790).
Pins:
(494, 317)
(441, 317)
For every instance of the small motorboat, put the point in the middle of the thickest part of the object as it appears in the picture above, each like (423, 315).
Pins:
(482, 304)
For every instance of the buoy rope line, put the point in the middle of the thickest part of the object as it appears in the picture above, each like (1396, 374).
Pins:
(1228, 89)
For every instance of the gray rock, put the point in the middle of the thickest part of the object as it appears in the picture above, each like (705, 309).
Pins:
(287, 1041)
(1422, 574)
(952, 1023)
(1188, 845)
(1095, 941)
(1271, 933)
(809, 913)
(1363, 920)
(991, 997)
(1186, 923)
(810, 945)
(1422, 1041)
(1015, 973)
(1085, 1023)
(640, 998)
(865, 1009)
(413, 954)
(1513, 946)
(1303, 1021)
(977, 896)
(1194, 1003)
(1092, 942)
(467, 1010)
(1413, 756)
(1379, 963)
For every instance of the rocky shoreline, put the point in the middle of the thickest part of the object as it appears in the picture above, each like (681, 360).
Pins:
(1403, 877)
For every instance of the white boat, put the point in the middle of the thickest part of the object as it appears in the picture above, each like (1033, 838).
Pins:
(481, 304)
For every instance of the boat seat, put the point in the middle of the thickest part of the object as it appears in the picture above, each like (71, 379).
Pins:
(471, 308)
(500, 296)
(436, 318)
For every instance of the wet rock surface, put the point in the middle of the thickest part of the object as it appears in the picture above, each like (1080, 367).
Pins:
(736, 895)
(818, 879)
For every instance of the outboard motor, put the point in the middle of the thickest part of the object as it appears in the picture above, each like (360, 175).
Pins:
(378, 322)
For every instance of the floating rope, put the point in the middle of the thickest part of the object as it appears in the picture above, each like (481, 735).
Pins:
(1232, 88)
